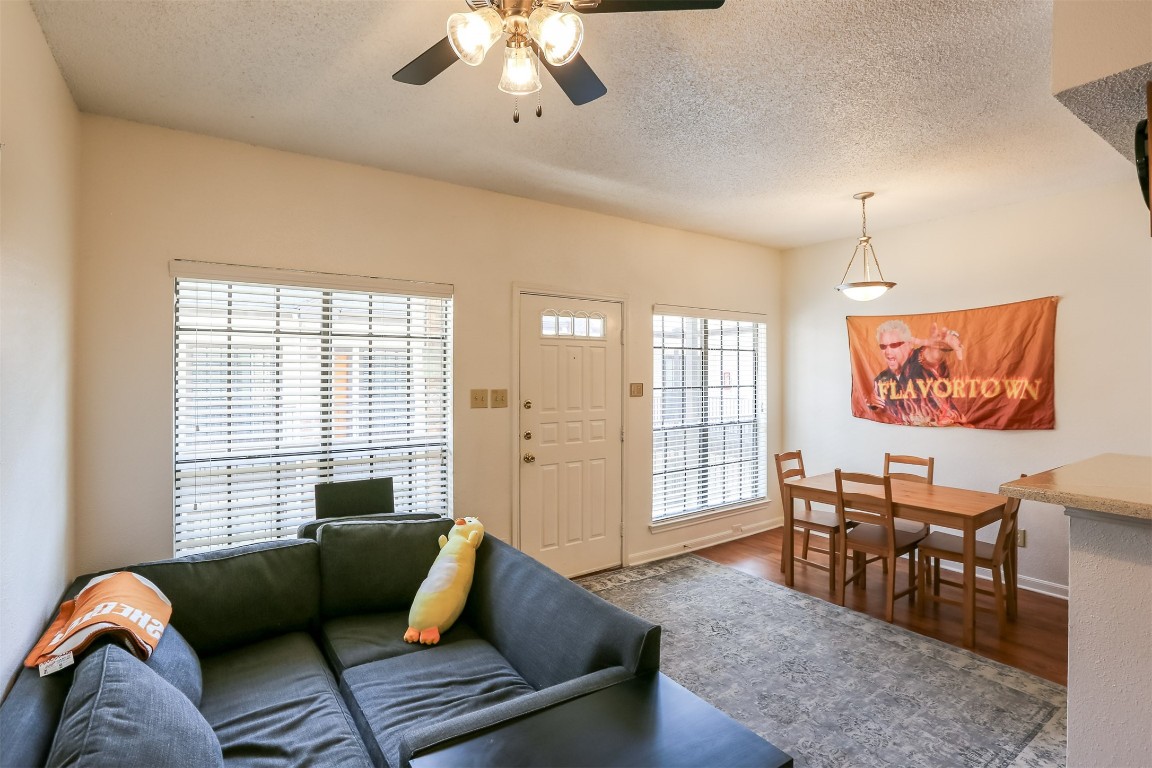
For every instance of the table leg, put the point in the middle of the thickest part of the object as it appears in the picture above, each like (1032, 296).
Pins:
(787, 543)
(969, 586)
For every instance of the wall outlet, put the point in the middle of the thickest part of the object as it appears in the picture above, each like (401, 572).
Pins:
(479, 398)
(1021, 538)
(499, 398)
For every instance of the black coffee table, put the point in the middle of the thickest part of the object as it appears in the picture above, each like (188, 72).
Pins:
(647, 721)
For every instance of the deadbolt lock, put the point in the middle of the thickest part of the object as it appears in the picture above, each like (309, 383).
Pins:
(529, 458)
(527, 405)
(528, 435)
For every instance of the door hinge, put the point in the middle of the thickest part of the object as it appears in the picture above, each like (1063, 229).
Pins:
(621, 434)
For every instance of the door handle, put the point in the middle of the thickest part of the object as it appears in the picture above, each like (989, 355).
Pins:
(529, 458)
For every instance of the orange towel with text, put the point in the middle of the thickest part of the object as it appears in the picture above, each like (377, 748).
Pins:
(125, 604)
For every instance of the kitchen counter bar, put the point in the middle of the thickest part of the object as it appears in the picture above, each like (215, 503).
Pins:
(1113, 483)
(1108, 501)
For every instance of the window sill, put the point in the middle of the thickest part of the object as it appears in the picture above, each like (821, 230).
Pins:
(695, 518)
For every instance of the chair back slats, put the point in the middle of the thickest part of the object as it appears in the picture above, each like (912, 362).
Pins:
(790, 464)
(873, 507)
(928, 464)
(1006, 537)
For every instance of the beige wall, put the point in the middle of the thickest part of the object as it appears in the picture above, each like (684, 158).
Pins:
(1090, 248)
(1092, 39)
(39, 130)
(150, 195)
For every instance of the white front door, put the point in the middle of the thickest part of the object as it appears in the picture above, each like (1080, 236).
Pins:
(570, 432)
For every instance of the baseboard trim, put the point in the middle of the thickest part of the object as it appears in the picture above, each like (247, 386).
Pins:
(737, 531)
(1049, 588)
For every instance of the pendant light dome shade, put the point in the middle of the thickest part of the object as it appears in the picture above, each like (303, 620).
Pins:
(866, 289)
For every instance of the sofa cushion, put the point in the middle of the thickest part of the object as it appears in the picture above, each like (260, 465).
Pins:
(350, 641)
(389, 696)
(177, 662)
(275, 703)
(372, 566)
(229, 597)
(118, 710)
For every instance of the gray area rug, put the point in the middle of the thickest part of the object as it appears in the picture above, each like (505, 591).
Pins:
(831, 686)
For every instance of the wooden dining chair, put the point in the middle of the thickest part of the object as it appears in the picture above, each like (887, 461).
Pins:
(997, 556)
(928, 464)
(875, 534)
(810, 521)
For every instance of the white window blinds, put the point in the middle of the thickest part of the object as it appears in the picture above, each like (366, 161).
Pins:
(708, 444)
(281, 386)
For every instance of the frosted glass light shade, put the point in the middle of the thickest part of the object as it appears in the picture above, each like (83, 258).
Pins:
(520, 76)
(472, 34)
(865, 291)
(558, 34)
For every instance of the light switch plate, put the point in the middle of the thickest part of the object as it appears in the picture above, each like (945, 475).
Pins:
(636, 389)
(499, 398)
(479, 398)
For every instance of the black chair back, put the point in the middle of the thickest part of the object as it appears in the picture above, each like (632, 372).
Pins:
(354, 497)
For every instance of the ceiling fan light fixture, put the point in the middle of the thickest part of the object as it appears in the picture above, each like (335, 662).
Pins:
(520, 76)
(866, 289)
(472, 34)
(558, 34)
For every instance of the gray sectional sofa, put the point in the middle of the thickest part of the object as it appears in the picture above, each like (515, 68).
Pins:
(291, 653)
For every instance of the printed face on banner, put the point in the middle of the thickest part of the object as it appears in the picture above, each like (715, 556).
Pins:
(989, 368)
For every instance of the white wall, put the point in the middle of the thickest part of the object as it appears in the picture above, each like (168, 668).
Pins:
(39, 130)
(1090, 248)
(150, 195)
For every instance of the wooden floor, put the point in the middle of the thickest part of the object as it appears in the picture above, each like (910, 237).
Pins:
(1036, 642)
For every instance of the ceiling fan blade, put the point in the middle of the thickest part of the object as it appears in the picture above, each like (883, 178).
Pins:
(576, 79)
(631, 6)
(428, 64)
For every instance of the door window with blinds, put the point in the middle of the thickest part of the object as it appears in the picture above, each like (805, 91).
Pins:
(709, 435)
(282, 386)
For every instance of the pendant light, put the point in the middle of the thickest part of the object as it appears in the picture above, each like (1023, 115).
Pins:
(866, 289)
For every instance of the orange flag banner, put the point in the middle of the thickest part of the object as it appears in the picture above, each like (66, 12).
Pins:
(125, 604)
(988, 368)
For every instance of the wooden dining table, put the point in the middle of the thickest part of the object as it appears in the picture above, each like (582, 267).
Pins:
(957, 508)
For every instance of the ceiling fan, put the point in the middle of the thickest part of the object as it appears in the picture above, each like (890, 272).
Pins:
(538, 31)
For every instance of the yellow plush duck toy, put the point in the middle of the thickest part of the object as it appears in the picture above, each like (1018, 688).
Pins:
(441, 597)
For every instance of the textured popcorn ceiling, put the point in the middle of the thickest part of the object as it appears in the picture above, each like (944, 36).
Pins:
(757, 121)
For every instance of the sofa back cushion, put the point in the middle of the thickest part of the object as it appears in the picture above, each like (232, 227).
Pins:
(231, 597)
(120, 710)
(372, 566)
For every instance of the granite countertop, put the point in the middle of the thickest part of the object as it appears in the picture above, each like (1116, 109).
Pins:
(1115, 483)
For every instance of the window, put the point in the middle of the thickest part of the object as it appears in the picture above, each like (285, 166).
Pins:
(279, 386)
(577, 325)
(708, 444)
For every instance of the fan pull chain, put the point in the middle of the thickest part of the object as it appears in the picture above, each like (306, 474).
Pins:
(516, 109)
(539, 102)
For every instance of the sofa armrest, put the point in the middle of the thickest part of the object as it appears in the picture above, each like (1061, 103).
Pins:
(550, 629)
(425, 737)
